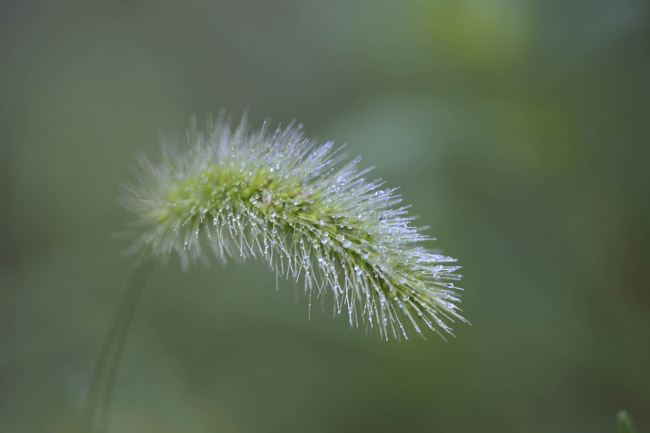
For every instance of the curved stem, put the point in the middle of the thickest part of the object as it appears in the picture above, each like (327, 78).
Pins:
(104, 376)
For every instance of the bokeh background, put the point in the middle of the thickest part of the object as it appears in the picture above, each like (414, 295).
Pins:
(517, 129)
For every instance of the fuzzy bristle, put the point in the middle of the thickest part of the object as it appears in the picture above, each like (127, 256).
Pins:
(281, 197)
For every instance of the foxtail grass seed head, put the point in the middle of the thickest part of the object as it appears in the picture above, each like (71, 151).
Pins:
(281, 197)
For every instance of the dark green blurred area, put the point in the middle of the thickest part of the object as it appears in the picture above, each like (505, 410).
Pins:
(517, 129)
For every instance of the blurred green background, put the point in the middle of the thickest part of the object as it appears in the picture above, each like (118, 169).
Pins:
(517, 129)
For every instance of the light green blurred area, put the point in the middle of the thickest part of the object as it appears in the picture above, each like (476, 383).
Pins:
(517, 129)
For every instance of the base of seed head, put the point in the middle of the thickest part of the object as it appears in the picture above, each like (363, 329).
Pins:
(281, 197)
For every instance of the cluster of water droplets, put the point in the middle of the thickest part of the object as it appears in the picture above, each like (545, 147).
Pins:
(278, 196)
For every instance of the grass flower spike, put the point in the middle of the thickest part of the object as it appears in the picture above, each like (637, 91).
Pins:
(278, 196)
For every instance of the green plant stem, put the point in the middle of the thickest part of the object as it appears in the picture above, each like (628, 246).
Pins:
(625, 424)
(105, 374)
